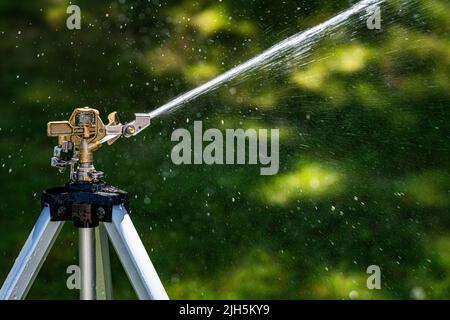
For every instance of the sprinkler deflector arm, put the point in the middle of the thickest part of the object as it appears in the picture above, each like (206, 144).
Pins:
(85, 133)
(130, 129)
(141, 121)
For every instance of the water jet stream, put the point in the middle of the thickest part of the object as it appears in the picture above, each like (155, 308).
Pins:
(295, 46)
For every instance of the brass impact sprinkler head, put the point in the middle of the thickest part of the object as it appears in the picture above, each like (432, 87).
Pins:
(78, 138)
(85, 133)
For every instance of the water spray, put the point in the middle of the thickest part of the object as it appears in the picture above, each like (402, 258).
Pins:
(294, 47)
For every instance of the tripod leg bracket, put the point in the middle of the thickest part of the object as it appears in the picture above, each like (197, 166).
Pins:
(83, 203)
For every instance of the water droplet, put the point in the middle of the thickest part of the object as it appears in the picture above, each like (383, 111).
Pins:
(353, 294)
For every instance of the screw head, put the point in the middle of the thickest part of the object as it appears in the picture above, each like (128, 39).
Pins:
(130, 130)
(61, 211)
(101, 213)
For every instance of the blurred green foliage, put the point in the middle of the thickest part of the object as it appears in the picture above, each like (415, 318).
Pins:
(364, 143)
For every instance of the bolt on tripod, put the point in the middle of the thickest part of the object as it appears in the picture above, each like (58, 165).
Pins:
(98, 211)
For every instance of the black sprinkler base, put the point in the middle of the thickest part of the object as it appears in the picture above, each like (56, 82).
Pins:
(84, 203)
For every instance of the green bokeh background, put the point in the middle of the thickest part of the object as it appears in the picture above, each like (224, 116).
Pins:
(364, 149)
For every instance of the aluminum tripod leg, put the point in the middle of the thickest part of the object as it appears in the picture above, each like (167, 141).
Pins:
(86, 249)
(133, 256)
(104, 281)
(31, 257)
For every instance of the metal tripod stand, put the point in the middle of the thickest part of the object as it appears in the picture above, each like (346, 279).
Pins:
(93, 243)
(98, 210)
